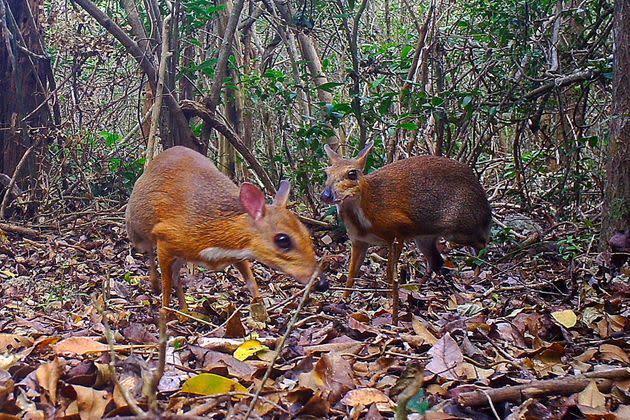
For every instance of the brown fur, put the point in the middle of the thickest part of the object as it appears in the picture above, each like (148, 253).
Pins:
(421, 198)
(183, 205)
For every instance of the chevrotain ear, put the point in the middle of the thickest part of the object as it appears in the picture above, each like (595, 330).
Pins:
(282, 196)
(253, 200)
(332, 155)
(363, 154)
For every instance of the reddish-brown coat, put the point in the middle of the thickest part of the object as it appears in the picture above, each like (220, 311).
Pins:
(182, 205)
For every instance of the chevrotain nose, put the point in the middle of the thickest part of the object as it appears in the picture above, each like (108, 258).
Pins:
(328, 196)
(322, 284)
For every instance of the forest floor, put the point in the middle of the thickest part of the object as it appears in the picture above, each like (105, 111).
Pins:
(533, 314)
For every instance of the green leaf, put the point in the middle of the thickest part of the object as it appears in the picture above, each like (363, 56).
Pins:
(418, 404)
(329, 87)
(211, 384)
(408, 126)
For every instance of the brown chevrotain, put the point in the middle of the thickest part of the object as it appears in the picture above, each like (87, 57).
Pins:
(189, 211)
(421, 198)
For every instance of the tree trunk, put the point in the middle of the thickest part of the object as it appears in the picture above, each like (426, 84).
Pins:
(616, 207)
(25, 83)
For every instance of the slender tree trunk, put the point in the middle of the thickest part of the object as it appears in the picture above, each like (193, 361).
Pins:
(616, 207)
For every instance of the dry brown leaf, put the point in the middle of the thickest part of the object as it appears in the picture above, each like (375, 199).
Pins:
(332, 375)
(80, 345)
(48, 377)
(90, 402)
(612, 352)
(341, 344)
(128, 383)
(364, 397)
(591, 396)
(422, 331)
(446, 357)
(14, 342)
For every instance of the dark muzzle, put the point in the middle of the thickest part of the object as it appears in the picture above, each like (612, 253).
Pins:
(328, 196)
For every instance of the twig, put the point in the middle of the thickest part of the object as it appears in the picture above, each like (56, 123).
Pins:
(152, 388)
(16, 173)
(184, 314)
(157, 105)
(403, 398)
(131, 402)
(280, 345)
(232, 315)
(564, 386)
(204, 408)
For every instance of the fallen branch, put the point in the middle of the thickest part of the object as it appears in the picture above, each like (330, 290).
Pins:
(563, 386)
(280, 345)
(19, 230)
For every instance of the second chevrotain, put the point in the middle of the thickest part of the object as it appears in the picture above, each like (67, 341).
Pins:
(421, 198)
(189, 211)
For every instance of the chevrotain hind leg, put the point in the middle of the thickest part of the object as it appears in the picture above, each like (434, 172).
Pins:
(166, 261)
(153, 273)
(257, 308)
(395, 248)
(427, 245)
(177, 281)
(357, 255)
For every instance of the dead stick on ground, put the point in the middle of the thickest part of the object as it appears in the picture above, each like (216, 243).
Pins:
(19, 230)
(152, 389)
(131, 402)
(565, 386)
(280, 345)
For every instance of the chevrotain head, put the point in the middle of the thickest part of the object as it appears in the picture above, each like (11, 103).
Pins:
(279, 239)
(344, 175)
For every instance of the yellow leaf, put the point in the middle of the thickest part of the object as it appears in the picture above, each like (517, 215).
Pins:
(248, 349)
(567, 318)
(8, 273)
(211, 384)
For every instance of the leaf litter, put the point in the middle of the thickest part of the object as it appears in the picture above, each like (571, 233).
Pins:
(523, 322)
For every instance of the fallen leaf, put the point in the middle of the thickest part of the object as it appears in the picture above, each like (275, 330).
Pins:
(211, 384)
(91, 402)
(80, 345)
(211, 360)
(421, 330)
(566, 318)
(446, 357)
(332, 375)
(364, 397)
(248, 349)
(612, 352)
(14, 342)
(48, 377)
(591, 396)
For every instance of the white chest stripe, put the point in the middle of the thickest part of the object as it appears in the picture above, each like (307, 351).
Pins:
(214, 254)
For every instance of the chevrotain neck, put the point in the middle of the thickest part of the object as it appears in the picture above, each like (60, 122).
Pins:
(232, 232)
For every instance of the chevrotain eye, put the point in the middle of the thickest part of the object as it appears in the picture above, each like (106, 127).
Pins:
(353, 174)
(283, 241)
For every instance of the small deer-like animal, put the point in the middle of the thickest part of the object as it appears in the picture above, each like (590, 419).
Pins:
(189, 211)
(421, 198)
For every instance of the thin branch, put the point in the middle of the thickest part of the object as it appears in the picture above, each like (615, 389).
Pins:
(280, 345)
(157, 105)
